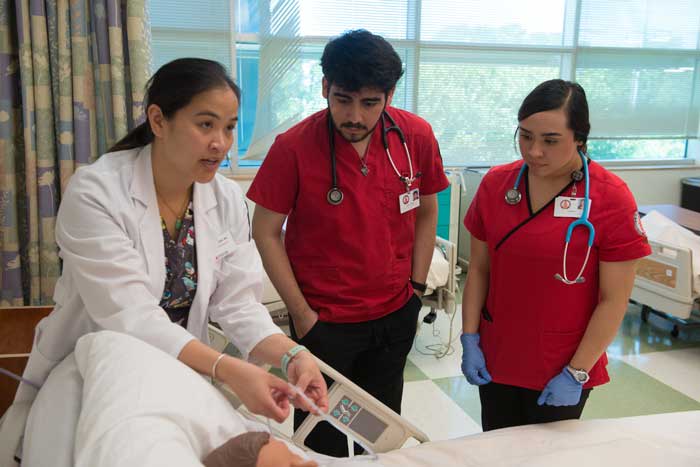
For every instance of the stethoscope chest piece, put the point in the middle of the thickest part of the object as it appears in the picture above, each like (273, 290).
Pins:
(513, 196)
(335, 196)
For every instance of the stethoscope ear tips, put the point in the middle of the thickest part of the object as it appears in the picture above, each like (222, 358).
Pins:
(335, 196)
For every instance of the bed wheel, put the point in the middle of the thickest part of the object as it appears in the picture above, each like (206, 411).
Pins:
(675, 331)
(645, 313)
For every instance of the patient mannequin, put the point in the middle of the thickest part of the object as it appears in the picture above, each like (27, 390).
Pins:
(255, 449)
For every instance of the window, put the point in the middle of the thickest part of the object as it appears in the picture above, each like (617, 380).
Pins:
(468, 65)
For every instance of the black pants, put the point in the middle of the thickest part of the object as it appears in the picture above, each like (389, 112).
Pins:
(503, 406)
(372, 354)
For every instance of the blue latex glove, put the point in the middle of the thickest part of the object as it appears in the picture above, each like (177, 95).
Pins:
(563, 389)
(473, 363)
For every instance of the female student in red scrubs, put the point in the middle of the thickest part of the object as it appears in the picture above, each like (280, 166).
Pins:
(541, 304)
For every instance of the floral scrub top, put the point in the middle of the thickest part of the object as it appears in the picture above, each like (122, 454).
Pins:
(180, 270)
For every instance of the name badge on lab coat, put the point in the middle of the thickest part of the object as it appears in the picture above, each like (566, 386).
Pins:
(224, 245)
(409, 200)
(567, 206)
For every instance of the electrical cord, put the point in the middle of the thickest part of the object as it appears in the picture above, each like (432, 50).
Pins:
(439, 349)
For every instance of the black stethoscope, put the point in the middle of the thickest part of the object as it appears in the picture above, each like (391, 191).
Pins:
(335, 195)
(513, 197)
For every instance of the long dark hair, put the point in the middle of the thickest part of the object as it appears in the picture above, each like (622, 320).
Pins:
(171, 88)
(559, 94)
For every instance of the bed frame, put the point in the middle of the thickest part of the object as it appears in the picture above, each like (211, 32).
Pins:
(663, 285)
(343, 392)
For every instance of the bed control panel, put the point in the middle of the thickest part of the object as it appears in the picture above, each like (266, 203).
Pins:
(360, 420)
(362, 416)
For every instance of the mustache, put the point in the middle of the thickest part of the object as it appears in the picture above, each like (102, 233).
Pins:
(357, 126)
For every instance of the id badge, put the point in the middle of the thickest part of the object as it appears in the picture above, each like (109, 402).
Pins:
(409, 200)
(568, 206)
(224, 245)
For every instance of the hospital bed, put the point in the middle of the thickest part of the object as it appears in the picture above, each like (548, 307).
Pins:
(169, 415)
(664, 285)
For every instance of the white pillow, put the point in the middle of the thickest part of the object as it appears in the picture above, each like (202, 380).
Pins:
(49, 437)
(143, 407)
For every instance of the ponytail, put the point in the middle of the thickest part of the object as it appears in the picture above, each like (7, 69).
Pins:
(136, 138)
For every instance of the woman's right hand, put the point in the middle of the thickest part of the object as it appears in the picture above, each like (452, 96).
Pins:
(261, 392)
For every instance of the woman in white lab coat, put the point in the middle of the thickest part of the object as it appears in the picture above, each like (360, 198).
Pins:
(155, 243)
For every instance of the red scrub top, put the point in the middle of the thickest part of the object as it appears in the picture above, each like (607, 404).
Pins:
(532, 323)
(352, 261)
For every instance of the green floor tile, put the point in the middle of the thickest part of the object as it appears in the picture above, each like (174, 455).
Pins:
(637, 337)
(413, 373)
(464, 394)
(632, 392)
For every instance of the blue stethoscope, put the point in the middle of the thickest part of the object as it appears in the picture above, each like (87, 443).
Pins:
(513, 197)
(335, 195)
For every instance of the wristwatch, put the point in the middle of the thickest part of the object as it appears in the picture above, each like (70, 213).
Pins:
(579, 375)
(419, 286)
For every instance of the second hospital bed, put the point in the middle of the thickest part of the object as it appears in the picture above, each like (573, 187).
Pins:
(667, 282)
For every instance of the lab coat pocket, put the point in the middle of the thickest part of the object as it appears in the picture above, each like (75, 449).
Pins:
(557, 349)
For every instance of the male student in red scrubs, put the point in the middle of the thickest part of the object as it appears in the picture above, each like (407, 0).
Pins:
(361, 210)
(538, 315)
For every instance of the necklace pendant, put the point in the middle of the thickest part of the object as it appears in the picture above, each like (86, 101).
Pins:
(364, 170)
(178, 223)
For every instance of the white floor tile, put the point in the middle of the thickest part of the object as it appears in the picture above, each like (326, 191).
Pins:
(432, 411)
(437, 334)
(679, 369)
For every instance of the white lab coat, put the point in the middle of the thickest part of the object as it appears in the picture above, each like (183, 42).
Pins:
(110, 238)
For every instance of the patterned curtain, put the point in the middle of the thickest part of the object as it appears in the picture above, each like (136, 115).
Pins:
(72, 76)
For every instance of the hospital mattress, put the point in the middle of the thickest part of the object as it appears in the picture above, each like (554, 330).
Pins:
(669, 440)
(128, 387)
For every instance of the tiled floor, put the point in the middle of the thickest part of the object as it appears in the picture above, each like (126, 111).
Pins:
(651, 372)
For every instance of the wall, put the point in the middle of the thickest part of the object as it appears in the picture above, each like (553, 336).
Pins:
(655, 185)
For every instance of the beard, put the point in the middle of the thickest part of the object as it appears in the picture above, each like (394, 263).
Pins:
(358, 136)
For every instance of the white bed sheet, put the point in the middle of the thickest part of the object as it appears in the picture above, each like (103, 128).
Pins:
(53, 418)
(439, 271)
(120, 402)
(171, 416)
(669, 440)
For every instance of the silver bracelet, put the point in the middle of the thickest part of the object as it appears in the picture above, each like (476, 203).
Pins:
(213, 367)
